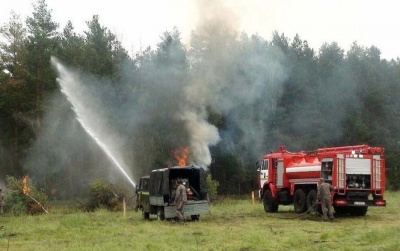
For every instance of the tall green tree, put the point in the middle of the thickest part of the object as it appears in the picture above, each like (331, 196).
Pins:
(13, 50)
(330, 58)
(298, 116)
(71, 49)
(366, 67)
(103, 51)
(15, 97)
(333, 90)
(41, 44)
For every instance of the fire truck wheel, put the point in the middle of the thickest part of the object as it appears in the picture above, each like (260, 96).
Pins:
(299, 201)
(270, 204)
(341, 211)
(358, 211)
(160, 214)
(145, 215)
(311, 201)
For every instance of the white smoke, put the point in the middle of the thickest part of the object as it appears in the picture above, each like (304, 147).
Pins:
(202, 136)
(238, 77)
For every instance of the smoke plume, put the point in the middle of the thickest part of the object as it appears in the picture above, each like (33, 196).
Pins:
(239, 77)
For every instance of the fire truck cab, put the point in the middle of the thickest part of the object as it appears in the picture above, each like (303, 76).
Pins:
(357, 172)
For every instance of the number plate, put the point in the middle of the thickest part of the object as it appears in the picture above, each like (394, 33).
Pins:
(359, 203)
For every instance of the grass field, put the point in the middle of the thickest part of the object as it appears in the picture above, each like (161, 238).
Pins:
(233, 224)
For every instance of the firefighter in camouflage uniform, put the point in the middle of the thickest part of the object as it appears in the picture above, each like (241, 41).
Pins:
(180, 199)
(324, 197)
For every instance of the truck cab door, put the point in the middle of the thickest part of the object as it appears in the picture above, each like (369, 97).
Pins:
(263, 169)
(262, 175)
(143, 194)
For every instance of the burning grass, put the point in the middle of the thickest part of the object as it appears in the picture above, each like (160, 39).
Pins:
(232, 224)
(24, 197)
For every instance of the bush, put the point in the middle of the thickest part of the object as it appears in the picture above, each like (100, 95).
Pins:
(212, 186)
(16, 202)
(105, 194)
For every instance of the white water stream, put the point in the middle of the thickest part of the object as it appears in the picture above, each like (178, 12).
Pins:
(70, 87)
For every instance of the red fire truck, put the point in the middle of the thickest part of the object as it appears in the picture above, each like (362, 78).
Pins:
(357, 172)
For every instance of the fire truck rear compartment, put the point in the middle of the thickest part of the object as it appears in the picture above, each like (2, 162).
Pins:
(359, 181)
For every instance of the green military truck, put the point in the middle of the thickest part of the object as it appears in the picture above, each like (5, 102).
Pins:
(156, 192)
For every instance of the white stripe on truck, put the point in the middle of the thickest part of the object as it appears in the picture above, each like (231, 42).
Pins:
(302, 169)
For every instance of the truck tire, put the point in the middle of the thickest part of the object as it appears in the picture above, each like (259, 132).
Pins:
(358, 211)
(300, 201)
(145, 215)
(312, 206)
(195, 217)
(341, 211)
(160, 214)
(270, 204)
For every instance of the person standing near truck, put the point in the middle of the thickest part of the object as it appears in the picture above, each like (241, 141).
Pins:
(324, 196)
(180, 199)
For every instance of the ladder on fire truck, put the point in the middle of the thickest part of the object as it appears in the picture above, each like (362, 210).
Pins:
(378, 175)
(341, 175)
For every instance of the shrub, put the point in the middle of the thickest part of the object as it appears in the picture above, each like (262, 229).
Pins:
(105, 194)
(16, 202)
(212, 186)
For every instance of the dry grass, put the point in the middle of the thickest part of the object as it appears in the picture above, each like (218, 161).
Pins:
(232, 225)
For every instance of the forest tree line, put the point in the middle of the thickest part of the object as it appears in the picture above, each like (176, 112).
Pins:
(258, 94)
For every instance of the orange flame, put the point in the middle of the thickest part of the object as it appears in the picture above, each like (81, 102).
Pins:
(25, 188)
(181, 155)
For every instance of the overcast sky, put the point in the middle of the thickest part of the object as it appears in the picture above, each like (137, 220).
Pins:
(140, 23)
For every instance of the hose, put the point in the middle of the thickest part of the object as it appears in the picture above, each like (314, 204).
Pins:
(297, 216)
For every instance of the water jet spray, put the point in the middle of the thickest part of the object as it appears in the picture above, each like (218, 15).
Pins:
(65, 80)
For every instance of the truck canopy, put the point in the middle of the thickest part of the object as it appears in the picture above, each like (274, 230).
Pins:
(161, 181)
